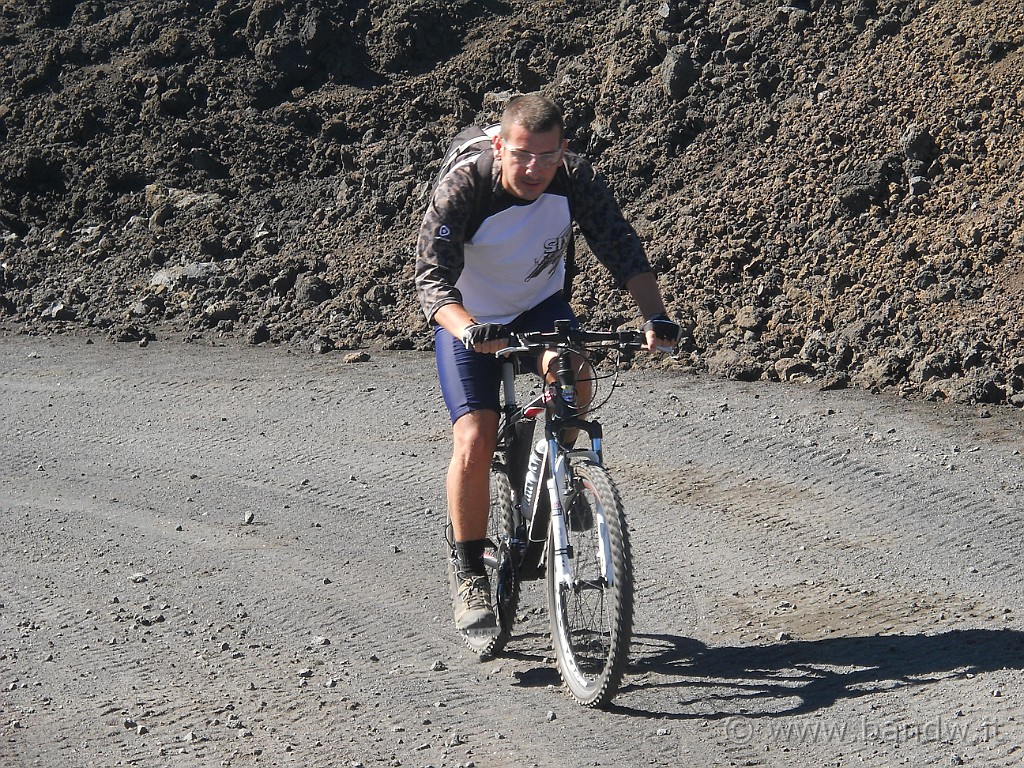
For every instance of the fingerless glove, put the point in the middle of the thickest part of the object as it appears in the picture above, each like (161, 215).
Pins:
(663, 328)
(479, 333)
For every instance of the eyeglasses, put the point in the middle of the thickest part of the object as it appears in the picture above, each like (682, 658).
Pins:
(543, 160)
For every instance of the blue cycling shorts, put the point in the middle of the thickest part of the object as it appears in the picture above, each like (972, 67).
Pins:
(471, 381)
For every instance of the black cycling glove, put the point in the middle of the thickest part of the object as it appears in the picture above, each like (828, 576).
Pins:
(664, 328)
(479, 333)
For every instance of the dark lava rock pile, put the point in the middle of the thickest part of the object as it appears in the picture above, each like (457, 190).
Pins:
(829, 189)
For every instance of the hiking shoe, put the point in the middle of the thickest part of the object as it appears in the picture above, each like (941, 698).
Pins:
(581, 516)
(472, 603)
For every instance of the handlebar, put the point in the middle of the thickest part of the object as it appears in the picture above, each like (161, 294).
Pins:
(566, 337)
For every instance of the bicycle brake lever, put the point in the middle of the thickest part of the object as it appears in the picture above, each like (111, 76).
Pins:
(505, 352)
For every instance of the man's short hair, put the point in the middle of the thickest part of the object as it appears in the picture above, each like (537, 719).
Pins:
(535, 112)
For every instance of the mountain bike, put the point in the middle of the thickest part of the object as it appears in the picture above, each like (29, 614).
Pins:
(556, 514)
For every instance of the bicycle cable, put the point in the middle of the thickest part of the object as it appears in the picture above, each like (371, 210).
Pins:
(594, 358)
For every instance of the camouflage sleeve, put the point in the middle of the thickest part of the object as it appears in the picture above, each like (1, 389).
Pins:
(612, 239)
(439, 246)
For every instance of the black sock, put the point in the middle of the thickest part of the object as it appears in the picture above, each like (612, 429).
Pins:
(470, 555)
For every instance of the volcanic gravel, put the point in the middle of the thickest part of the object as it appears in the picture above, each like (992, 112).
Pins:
(829, 190)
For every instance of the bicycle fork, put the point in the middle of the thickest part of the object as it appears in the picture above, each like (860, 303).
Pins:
(562, 553)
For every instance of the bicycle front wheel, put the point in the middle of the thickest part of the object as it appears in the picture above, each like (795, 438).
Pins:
(592, 615)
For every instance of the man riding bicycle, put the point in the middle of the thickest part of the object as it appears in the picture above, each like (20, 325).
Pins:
(483, 273)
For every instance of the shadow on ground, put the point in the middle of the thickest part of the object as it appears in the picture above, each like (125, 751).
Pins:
(793, 678)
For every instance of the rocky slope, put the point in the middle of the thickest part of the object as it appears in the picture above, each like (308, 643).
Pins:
(828, 188)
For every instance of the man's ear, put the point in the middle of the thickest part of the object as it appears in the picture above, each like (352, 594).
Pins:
(496, 146)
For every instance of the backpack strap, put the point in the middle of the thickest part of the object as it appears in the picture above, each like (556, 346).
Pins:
(484, 168)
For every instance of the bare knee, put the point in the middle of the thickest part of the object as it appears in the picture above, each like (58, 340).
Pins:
(474, 436)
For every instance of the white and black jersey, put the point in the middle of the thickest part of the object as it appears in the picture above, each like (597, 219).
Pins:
(499, 256)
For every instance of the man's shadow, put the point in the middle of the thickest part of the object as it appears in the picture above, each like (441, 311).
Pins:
(792, 678)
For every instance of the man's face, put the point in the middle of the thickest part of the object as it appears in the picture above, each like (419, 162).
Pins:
(529, 161)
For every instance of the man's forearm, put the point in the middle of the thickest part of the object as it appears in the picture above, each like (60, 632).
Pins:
(453, 318)
(646, 293)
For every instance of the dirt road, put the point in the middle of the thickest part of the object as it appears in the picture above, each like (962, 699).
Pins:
(231, 556)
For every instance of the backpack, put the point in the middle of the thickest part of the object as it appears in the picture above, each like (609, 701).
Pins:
(465, 148)
(470, 145)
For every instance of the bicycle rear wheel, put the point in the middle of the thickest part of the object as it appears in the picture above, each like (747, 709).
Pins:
(592, 621)
(501, 527)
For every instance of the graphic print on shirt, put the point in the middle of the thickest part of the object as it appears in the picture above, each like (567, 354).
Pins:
(515, 259)
(554, 254)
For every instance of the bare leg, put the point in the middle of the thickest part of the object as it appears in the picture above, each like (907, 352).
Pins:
(469, 475)
(469, 478)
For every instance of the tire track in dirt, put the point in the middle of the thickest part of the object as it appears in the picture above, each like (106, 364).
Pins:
(146, 668)
(346, 484)
(360, 615)
(826, 497)
(772, 510)
(101, 663)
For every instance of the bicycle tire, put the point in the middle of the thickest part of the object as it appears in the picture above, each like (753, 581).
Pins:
(501, 527)
(592, 623)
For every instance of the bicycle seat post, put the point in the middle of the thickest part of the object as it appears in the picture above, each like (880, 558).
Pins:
(508, 384)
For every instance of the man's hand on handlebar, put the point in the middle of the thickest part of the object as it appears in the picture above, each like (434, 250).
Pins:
(662, 334)
(486, 338)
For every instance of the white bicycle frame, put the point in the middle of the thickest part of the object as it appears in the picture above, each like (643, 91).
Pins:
(556, 459)
(558, 558)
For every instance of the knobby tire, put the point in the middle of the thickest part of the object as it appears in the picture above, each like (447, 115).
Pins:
(592, 624)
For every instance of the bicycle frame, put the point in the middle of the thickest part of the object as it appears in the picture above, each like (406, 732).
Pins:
(555, 476)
